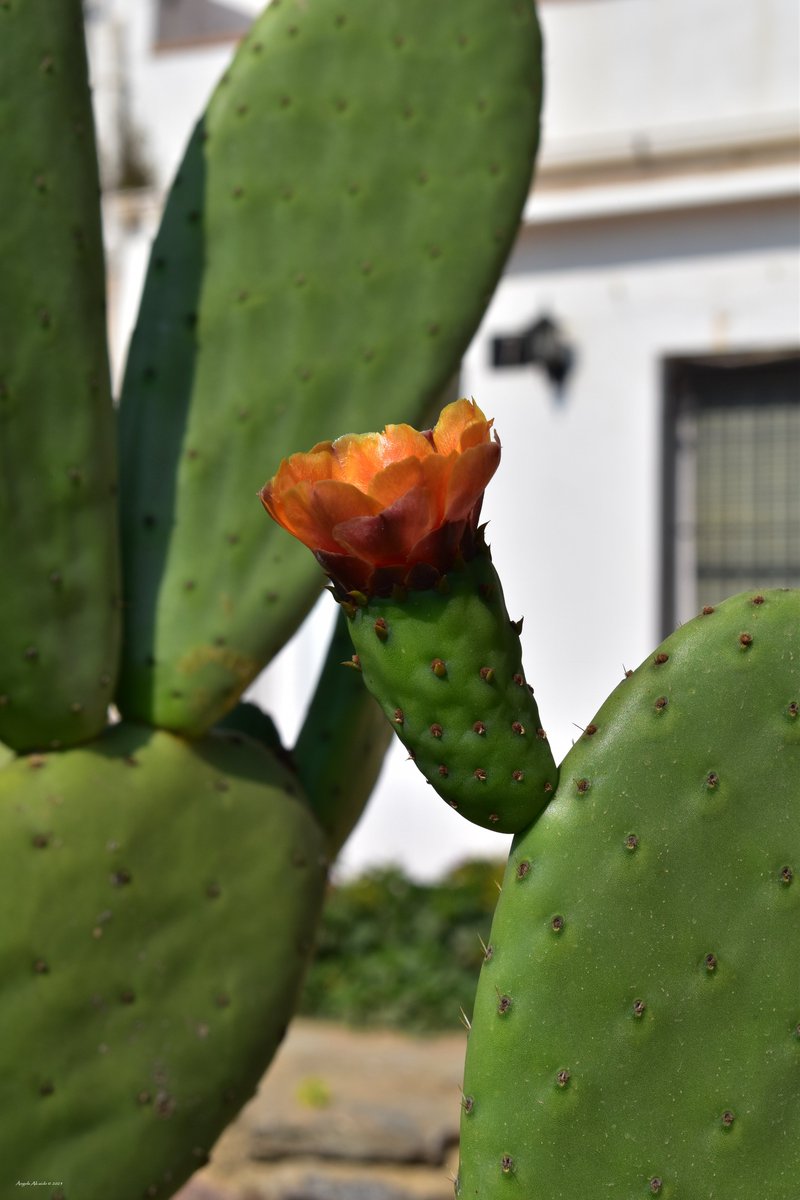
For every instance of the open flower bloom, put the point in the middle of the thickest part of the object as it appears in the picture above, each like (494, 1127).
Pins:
(398, 507)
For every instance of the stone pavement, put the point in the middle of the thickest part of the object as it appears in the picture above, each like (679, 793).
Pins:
(344, 1115)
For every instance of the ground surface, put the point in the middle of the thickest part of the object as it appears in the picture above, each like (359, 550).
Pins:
(344, 1115)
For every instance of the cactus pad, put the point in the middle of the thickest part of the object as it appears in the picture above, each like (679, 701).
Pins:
(160, 900)
(637, 1026)
(329, 247)
(59, 610)
(340, 749)
(446, 665)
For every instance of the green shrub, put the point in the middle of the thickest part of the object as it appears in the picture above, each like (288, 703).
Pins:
(391, 952)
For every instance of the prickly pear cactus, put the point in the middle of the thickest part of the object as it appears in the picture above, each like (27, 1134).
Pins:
(637, 1025)
(161, 889)
(349, 156)
(142, 993)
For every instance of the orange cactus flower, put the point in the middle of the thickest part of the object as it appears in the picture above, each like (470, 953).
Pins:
(398, 507)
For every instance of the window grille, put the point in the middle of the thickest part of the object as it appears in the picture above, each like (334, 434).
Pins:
(732, 480)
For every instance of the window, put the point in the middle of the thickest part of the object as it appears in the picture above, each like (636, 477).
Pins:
(731, 479)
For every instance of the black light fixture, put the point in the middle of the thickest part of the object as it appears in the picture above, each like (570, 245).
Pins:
(542, 344)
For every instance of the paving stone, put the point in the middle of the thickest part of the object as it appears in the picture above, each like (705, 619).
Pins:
(344, 1115)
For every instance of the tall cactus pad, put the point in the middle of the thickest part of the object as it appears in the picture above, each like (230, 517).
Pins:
(637, 1025)
(159, 901)
(344, 214)
(59, 622)
(446, 666)
(341, 747)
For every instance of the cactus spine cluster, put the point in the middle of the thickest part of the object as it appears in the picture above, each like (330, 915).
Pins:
(162, 876)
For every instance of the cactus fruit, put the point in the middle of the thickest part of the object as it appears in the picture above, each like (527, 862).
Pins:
(141, 995)
(636, 1030)
(330, 203)
(60, 627)
(446, 665)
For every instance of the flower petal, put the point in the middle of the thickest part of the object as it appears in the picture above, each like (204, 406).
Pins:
(440, 548)
(471, 472)
(436, 473)
(356, 458)
(359, 458)
(311, 511)
(291, 508)
(387, 537)
(460, 425)
(403, 441)
(312, 466)
(397, 479)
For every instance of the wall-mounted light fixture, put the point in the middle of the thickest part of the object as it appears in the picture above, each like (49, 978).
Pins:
(542, 343)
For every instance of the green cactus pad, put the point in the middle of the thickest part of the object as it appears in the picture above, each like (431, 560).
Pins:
(342, 744)
(637, 1026)
(159, 903)
(328, 250)
(59, 611)
(446, 667)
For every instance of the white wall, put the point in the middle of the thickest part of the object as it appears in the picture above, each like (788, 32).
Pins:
(167, 90)
(645, 74)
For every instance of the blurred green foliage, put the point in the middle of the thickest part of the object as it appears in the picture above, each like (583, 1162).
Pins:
(400, 954)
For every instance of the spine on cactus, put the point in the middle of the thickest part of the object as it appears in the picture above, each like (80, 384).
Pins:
(393, 519)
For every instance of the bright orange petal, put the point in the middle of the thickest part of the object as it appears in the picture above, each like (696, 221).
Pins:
(454, 420)
(471, 473)
(396, 479)
(359, 457)
(403, 441)
(316, 464)
(293, 510)
(333, 502)
(356, 458)
(437, 471)
(477, 433)
(311, 511)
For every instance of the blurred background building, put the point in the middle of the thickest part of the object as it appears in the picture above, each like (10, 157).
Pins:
(641, 356)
